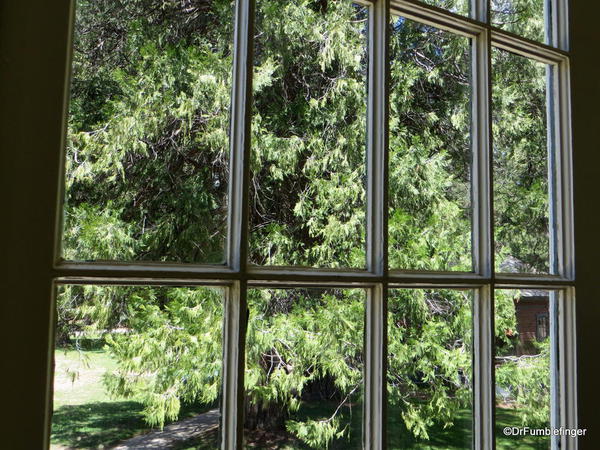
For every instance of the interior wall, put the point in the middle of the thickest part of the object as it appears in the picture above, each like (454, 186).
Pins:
(33, 49)
(585, 82)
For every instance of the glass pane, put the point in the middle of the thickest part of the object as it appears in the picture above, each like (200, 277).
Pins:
(522, 17)
(430, 375)
(308, 134)
(456, 6)
(147, 143)
(521, 194)
(523, 320)
(304, 368)
(430, 149)
(130, 360)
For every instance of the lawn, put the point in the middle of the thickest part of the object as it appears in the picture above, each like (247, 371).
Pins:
(86, 417)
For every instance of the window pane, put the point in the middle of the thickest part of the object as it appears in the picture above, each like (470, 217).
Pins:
(522, 17)
(522, 364)
(521, 194)
(129, 360)
(147, 144)
(456, 6)
(304, 368)
(308, 134)
(430, 376)
(430, 149)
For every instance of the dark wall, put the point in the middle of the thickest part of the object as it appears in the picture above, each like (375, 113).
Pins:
(33, 49)
(585, 80)
(33, 44)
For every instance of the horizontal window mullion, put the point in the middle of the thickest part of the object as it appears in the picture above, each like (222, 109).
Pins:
(448, 21)
(525, 280)
(132, 281)
(151, 270)
(526, 47)
(437, 17)
(82, 273)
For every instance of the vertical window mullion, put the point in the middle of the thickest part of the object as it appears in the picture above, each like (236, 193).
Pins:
(375, 388)
(234, 337)
(377, 137)
(557, 24)
(483, 253)
(556, 298)
(239, 135)
(235, 323)
(554, 185)
(563, 170)
(483, 376)
(480, 10)
(375, 369)
(566, 360)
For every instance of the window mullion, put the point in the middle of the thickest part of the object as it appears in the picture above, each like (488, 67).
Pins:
(557, 24)
(566, 360)
(377, 137)
(234, 336)
(483, 254)
(377, 261)
(241, 101)
(562, 203)
(483, 376)
(375, 399)
(480, 10)
(235, 322)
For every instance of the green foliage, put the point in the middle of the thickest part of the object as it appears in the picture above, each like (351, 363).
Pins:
(522, 17)
(309, 134)
(172, 353)
(315, 433)
(429, 347)
(522, 380)
(149, 163)
(521, 198)
(147, 178)
(527, 379)
(429, 223)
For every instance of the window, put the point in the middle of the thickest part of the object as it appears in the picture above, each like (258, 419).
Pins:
(541, 331)
(237, 276)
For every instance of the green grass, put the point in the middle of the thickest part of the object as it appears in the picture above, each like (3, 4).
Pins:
(78, 376)
(96, 425)
(458, 436)
(509, 418)
(86, 417)
(84, 414)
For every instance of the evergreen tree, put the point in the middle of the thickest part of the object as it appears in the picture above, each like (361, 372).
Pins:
(147, 175)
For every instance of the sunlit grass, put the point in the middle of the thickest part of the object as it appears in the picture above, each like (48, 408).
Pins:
(85, 416)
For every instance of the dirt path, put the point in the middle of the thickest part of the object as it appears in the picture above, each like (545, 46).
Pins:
(174, 433)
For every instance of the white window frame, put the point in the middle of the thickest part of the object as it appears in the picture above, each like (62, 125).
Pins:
(237, 276)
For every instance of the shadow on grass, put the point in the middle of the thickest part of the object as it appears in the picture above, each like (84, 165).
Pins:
(96, 425)
(208, 441)
(510, 418)
(457, 436)
(103, 424)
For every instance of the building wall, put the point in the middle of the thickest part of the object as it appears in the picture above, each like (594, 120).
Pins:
(527, 311)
